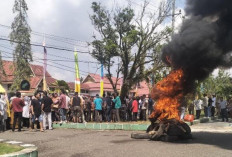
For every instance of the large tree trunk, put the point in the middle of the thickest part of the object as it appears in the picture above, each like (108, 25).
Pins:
(124, 90)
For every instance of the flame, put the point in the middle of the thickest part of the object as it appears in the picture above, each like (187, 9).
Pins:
(168, 93)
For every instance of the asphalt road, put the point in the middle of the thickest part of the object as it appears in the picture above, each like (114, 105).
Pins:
(210, 140)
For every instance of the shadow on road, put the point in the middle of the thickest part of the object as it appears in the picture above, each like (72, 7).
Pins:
(222, 140)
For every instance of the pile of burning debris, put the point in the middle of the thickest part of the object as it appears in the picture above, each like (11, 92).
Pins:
(165, 130)
(165, 120)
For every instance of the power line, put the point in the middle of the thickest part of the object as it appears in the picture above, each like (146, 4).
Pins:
(47, 64)
(52, 62)
(61, 47)
(37, 45)
(51, 36)
(68, 59)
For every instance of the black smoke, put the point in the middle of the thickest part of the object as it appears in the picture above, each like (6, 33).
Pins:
(204, 41)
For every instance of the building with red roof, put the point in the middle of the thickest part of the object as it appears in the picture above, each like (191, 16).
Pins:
(90, 86)
(36, 79)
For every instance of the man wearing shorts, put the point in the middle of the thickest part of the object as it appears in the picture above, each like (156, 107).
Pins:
(36, 111)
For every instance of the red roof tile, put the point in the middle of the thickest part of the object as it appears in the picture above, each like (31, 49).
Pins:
(95, 86)
(34, 80)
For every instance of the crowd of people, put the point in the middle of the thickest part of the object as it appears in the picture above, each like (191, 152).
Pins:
(211, 106)
(43, 109)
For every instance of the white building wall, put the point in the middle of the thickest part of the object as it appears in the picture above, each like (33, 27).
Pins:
(93, 93)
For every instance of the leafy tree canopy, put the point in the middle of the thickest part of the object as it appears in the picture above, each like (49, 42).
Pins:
(135, 40)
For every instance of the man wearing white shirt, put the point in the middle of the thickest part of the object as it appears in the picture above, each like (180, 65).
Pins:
(223, 107)
(205, 104)
(197, 104)
(213, 106)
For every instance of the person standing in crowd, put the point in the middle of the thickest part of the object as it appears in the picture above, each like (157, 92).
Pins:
(205, 104)
(76, 106)
(150, 105)
(82, 110)
(47, 112)
(129, 109)
(26, 112)
(37, 112)
(190, 105)
(144, 107)
(88, 103)
(92, 110)
(229, 107)
(223, 107)
(113, 111)
(213, 105)
(197, 104)
(55, 107)
(117, 102)
(67, 106)
(210, 101)
(98, 108)
(104, 107)
(218, 109)
(17, 105)
(135, 109)
(108, 107)
(2, 113)
(183, 107)
(139, 99)
(62, 106)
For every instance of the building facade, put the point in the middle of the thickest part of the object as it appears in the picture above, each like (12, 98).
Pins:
(36, 78)
(90, 86)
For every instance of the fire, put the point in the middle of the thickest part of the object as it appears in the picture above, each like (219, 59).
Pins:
(168, 93)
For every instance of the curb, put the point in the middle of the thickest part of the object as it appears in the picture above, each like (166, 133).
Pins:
(121, 126)
(103, 126)
(29, 150)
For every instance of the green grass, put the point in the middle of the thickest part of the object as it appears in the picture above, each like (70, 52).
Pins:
(8, 148)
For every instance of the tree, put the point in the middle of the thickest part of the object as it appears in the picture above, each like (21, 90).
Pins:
(2, 71)
(134, 40)
(61, 84)
(20, 38)
(220, 85)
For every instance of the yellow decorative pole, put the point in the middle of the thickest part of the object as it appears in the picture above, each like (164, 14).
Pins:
(45, 88)
(77, 80)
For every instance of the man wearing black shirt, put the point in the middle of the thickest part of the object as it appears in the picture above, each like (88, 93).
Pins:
(36, 111)
(47, 113)
(108, 107)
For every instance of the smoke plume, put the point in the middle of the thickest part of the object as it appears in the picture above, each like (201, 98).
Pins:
(204, 41)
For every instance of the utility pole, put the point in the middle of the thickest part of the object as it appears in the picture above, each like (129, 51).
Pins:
(173, 15)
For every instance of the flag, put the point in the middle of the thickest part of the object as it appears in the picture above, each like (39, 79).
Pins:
(77, 80)
(45, 68)
(101, 82)
(8, 105)
(2, 90)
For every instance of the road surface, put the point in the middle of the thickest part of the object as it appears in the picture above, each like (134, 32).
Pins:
(210, 139)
